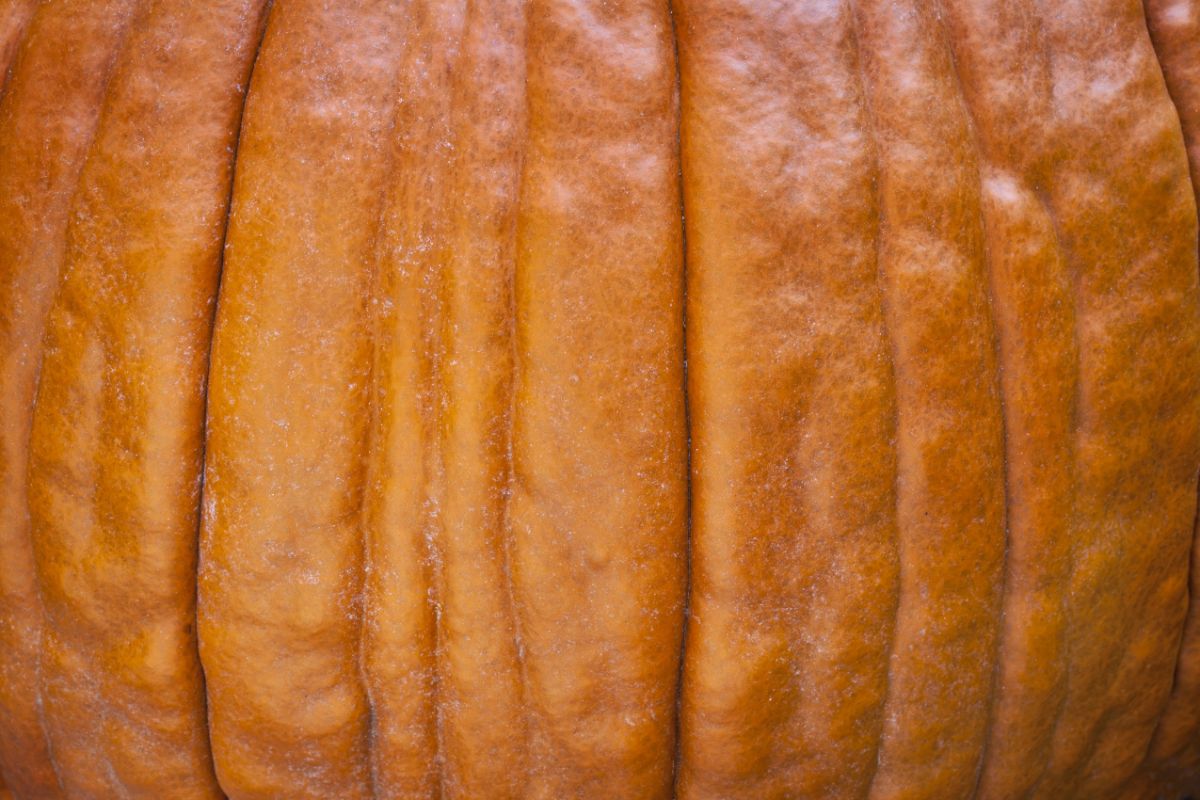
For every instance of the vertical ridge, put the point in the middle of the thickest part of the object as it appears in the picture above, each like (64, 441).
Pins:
(879, 215)
(998, 360)
(282, 545)
(599, 449)
(949, 428)
(1003, 92)
(1123, 205)
(404, 650)
(1174, 756)
(794, 561)
(138, 286)
(46, 135)
(263, 23)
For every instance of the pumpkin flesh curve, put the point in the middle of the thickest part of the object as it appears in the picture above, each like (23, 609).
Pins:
(693, 399)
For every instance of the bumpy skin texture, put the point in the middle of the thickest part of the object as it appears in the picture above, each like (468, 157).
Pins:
(1085, 191)
(795, 566)
(1089, 238)
(943, 366)
(281, 550)
(445, 515)
(888, 341)
(950, 428)
(117, 433)
(47, 119)
(1174, 755)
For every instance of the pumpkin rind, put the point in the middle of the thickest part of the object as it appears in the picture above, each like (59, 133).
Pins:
(911, 516)
(795, 569)
(430, 411)
(281, 550)
(117, 434)
(47, 119)
(1126, 226)
(1174, 754)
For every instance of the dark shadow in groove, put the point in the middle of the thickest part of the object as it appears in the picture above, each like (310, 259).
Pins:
(687, 410)
(264, 22)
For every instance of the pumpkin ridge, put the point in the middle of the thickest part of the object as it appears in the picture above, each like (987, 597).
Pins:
(117, 554)
(950, 436)
(1173, 760)
(264, 21)
(97, 34)
(998, 359)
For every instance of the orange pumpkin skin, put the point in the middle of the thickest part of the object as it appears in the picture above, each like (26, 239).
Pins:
(566, 398)
(48, 115)
(117, 164)
(1174, 756)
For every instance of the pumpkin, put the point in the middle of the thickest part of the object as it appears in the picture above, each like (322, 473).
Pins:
(564, 398)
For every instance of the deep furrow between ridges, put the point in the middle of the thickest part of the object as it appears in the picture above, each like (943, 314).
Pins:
(510, 404)
(864, 98)
(264, 22)
(687, 406)
(998, 363)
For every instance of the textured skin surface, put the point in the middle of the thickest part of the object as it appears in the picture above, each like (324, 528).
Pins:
(281, 550)
(941, 391)
(1077, 255)
(795, 567)
(1035, 322)
(1175, 752)
(440, 556)
(47, 119)
(599, 444)
(950, 435)
(1175, 29)
(1138, 437)
(886, 66)
(117, 434)
(1085, 184)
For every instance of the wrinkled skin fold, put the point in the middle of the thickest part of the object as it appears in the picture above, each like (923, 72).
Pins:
(576, 399)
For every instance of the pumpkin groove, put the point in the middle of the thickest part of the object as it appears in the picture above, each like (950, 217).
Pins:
(14, 17)
(441, 733)
(1038, 356)
(950, 442)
